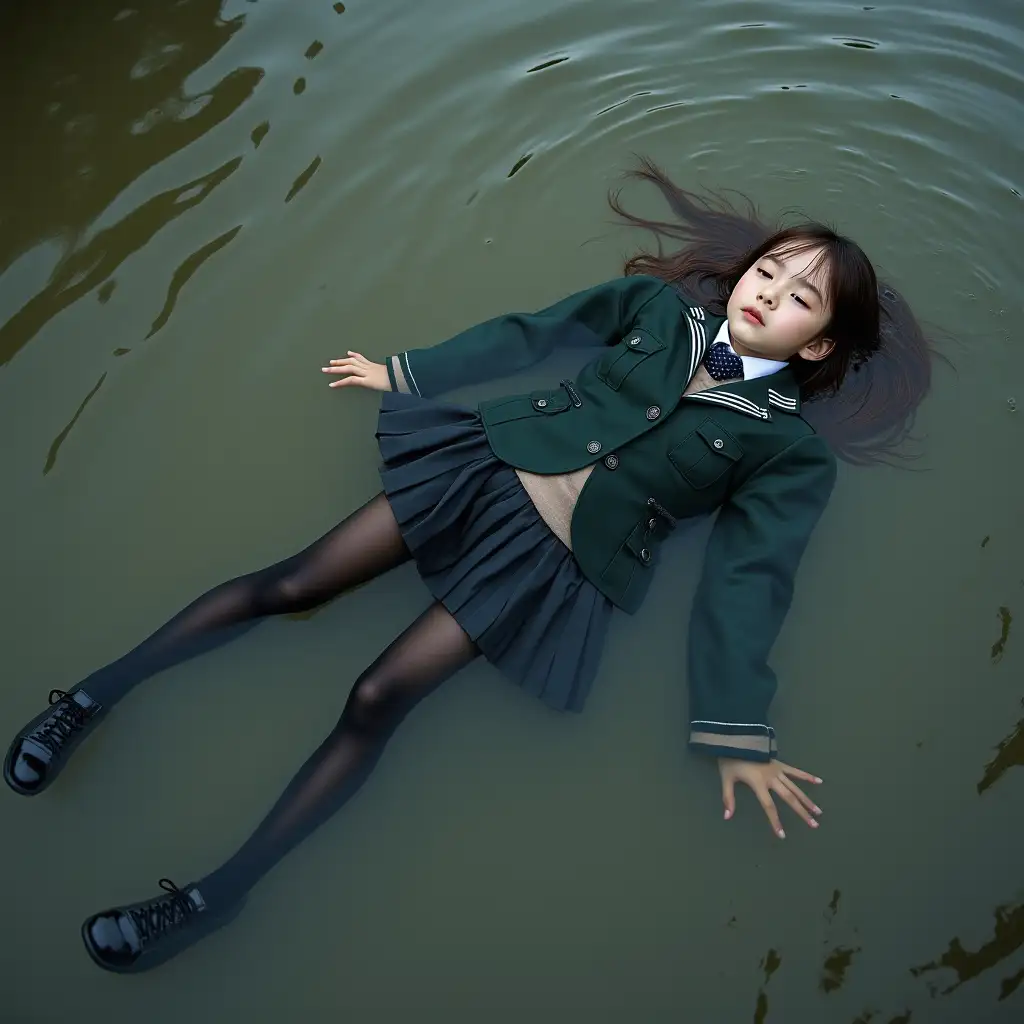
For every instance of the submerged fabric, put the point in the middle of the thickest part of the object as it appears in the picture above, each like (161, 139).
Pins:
(484, 552)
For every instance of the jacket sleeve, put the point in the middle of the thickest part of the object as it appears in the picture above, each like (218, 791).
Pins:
(498, 347)
(744, 594)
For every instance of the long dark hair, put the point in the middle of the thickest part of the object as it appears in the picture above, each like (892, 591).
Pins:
(866, 415)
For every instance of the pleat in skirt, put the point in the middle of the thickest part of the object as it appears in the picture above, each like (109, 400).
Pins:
(484, 552)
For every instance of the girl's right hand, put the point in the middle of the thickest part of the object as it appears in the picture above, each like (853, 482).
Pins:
(359, 371)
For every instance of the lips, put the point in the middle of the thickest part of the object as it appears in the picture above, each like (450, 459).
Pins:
(753, 315)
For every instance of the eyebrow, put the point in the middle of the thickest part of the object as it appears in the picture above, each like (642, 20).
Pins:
(803, 280)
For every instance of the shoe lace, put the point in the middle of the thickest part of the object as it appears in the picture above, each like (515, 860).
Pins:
(66, 720)
(164, 914)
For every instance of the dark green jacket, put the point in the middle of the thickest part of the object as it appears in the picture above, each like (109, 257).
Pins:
(741, 448)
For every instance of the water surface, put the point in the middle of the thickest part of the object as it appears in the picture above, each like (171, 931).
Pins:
(200, 202)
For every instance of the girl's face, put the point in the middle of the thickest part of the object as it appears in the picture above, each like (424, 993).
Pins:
(778, 309)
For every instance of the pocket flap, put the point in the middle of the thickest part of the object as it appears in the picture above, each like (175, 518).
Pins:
(720, 441)
(641, 341)
(521, 407)
(549, 402)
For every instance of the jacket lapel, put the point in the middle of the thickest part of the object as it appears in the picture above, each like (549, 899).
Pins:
(751, 397)
(702, 329)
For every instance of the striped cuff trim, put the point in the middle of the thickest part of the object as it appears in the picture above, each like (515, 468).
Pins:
(397, 375)
(403, 361)
(735, 739)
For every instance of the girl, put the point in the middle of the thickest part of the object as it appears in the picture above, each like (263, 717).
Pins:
(531, 517)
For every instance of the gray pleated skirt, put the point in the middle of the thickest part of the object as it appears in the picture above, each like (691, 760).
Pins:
(484, 552)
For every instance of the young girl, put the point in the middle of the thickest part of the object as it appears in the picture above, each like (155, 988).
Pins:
(533, 516)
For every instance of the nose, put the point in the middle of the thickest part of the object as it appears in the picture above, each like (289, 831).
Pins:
(767, 297)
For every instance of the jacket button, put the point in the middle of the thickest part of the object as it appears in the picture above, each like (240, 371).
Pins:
(719, 443)
(634, 341)
(611, 461)
(594, 447)
(542, 403)
(653, 412)
(652, 525)
(645, 555)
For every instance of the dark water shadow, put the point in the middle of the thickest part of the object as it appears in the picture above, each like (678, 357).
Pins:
(837, 963)
(90, 119)
(86, 268)
(770, 964)
(51, 456)
(185, 270)
(303, 179)
(1005, 619)
(1008, 937)
(1009, 754)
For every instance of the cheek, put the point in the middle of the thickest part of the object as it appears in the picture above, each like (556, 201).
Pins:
(740, 294)
(797, 323)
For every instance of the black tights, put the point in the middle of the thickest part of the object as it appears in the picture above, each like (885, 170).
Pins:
(434, 647)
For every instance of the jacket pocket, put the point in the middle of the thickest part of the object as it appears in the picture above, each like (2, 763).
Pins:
(636, 552)
(519, 407)
(705, 455)
(621, 361)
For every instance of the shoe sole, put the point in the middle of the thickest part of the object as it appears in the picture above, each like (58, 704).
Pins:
(150, 964)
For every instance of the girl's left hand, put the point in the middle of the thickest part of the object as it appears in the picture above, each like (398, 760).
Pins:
(766, 779)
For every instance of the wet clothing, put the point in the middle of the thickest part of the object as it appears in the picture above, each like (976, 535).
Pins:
(485, 553)
(656, 456)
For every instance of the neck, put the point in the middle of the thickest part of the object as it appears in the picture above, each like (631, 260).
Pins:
(740, 350)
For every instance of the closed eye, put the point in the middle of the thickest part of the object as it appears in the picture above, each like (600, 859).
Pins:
(801, 301)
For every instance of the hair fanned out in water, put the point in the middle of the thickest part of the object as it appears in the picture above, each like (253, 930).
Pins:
(866, 402)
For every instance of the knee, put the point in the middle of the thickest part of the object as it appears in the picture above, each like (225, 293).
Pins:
(374, 705)
(291, 593)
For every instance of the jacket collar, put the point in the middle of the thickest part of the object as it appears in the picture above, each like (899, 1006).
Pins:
(755, 397)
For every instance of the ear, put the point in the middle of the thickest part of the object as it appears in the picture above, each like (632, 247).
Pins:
(815, 351)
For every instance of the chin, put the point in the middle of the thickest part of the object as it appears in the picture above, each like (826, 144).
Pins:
(739, 329)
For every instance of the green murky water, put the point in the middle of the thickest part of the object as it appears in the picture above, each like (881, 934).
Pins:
(199, 203)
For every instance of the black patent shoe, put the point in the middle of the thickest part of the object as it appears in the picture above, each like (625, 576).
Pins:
(42, 748)
(144, 935)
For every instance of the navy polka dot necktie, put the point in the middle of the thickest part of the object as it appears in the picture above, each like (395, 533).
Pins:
(722, 364)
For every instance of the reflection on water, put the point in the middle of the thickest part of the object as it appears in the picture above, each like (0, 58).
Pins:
(1005, 618)
(837, 963)
(303, 179)
(967, 965)
(94, 118)
(51, 455)
(1010, 985)
(770, 964)
(1009, 754)
(259, 133)
(185, 270)
(89, 265)
(97, 95)
(833, 906)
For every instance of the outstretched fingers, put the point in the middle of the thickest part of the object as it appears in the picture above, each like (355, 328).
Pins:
(728, 795)
(764, 798)
(801, 795)
(780, 788)
(355, 367)
(797, 773)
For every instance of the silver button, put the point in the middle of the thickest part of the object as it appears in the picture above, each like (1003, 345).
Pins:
(653, 412)
(634, 341)
(542, 403)
(611, 461)
(652, 524)
(594, 447)
(719, 443)
(645, 555)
